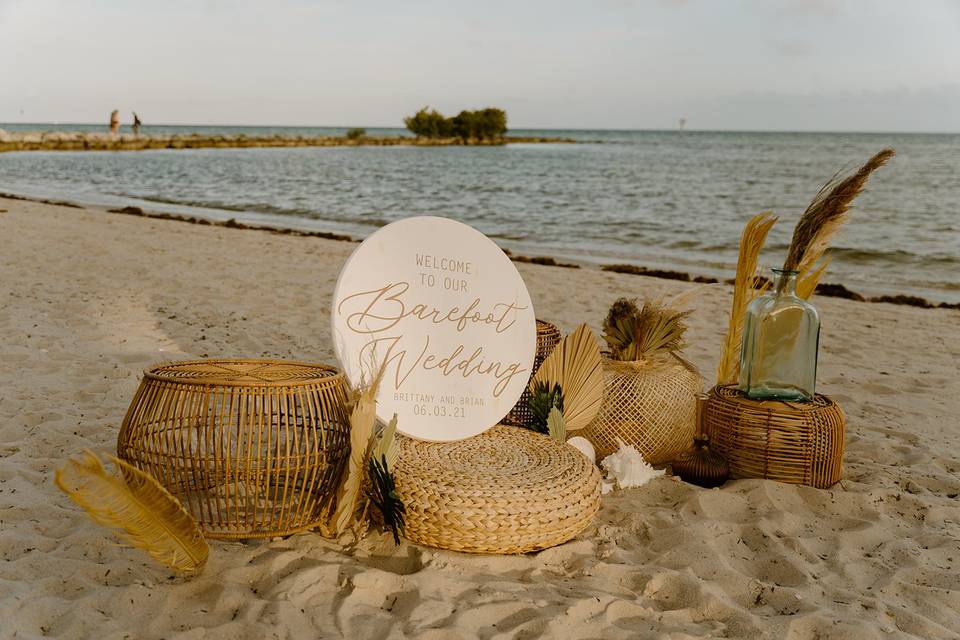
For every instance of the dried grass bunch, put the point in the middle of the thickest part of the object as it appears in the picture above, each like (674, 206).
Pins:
(818, 225)
(368, 479)
(633, 333)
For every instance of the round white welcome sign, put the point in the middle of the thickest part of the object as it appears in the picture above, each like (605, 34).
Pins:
(443, 310)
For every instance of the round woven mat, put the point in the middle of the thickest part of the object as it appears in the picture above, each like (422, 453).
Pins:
(507, 490)
(240, 372)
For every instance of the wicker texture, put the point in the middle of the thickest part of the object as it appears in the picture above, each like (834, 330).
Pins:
(796, 442)
(548, 335)
(507, 490)
(252, 448)
(651, 405)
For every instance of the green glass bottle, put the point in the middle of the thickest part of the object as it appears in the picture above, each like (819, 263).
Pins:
(781, 336)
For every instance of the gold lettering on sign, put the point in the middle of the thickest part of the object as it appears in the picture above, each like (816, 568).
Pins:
(385, 308)
(380, 310)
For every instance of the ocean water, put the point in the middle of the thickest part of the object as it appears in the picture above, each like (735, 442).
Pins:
(675, 199)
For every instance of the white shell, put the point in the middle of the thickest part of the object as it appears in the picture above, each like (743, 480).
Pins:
(585, 447)
(628, 468)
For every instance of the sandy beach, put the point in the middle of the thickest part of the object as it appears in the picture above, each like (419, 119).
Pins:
(88, 299)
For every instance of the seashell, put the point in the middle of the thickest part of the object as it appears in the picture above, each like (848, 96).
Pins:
(628, 468)
(584, 446)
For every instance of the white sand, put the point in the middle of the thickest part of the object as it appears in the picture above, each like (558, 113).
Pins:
(88, 299)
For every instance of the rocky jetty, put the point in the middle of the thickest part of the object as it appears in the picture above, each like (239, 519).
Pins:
(86, 141)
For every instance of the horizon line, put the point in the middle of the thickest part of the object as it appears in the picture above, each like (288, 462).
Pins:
(516, 128)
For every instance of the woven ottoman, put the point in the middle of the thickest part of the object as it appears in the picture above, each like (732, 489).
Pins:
(795, 442)
(507, 490)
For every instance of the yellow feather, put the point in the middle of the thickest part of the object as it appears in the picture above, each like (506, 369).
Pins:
(575, 365)
(149, 517)
(751, 243)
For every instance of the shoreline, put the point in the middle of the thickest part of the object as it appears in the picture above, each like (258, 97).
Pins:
(824, 289)
(87, 141)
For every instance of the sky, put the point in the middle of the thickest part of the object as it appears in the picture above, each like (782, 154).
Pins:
(796, 65)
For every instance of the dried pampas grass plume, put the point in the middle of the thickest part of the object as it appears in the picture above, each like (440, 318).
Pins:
(751, 243)
(363, 418)
(825, 215)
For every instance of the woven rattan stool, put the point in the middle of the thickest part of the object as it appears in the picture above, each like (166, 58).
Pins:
(548, 335)
(507, 490)
(252, 448)
(796, 442)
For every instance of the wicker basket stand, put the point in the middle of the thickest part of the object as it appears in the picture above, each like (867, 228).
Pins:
(252, 448)
(795, 442)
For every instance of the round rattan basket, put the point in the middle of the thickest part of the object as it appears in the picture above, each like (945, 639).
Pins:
(651, 405)
(252, 448)
(796, 442)
(548, 335)
(507, 490)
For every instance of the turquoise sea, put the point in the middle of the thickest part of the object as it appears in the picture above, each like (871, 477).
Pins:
(666, 199)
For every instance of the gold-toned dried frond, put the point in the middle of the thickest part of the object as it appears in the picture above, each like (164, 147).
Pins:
(633, 333)
(807, 281)
(575, 365)
(386, 446)
(149, 517)
(827, 213)
(752, 239)
(658, 329)
(363, 418)
(556, 425)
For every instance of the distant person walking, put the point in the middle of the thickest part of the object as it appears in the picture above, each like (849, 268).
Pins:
(115, 122)
(136, 124)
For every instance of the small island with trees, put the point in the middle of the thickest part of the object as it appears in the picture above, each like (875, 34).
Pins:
(482, 127)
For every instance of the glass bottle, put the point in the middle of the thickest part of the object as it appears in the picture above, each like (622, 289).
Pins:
(781, 336)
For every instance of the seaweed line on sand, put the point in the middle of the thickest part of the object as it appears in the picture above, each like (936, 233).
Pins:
(823, 289)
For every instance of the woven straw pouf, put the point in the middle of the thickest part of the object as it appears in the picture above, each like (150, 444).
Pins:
(796, 442)
(507, 490)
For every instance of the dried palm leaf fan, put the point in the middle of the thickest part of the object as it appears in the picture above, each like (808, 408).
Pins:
(650, 390)
(548, 335)
(571, 380)
(150, 518)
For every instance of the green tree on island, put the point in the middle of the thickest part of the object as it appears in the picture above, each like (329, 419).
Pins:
(482, 124)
